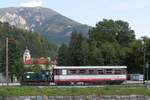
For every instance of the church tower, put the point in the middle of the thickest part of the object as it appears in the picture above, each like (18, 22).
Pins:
(26, 55)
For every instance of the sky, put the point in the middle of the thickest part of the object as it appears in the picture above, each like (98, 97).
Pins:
(135, 12)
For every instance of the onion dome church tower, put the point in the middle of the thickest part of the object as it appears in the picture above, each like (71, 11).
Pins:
(26, 55)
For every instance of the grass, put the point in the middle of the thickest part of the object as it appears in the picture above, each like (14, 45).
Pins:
(53, 91)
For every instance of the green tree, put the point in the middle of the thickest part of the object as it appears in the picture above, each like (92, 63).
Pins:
(95, 55)
(146, 51)
(15, 65)
(62, 55)
(77, 53)
(110, 42)
(85, 52)
(34, 41)
(134, 57)
(112, 31)
(36, 68)
(75, 50)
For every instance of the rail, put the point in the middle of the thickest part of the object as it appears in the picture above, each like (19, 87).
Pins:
(126, 83)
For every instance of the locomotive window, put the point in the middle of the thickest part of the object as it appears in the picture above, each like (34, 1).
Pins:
(100, 71)
(43, 76)
(82, 71)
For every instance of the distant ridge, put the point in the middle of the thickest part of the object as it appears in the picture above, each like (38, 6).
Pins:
(52, 25)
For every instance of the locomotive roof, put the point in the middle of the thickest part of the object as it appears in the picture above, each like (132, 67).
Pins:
(88, 67)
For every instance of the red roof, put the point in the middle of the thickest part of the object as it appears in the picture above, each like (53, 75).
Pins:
(41, 61)
(28, 62)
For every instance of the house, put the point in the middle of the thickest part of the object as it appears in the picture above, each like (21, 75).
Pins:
(45, 63)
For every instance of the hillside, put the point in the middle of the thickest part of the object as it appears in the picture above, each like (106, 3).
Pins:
(54, 26)
(38, 45)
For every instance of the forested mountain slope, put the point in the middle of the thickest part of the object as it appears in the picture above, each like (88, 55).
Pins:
(38, 45)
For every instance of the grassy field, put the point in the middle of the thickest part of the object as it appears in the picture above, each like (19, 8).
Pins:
(53, 91)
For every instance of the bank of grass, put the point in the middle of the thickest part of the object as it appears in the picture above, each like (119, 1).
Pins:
(53, 91)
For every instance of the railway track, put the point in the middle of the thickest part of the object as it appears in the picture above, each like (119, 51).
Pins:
(126, 83)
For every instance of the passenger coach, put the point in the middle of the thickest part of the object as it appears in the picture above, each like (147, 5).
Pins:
(89, 74)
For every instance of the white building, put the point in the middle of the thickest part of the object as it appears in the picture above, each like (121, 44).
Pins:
(26, 55)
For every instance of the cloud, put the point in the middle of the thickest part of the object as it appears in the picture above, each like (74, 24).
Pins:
(32, 3)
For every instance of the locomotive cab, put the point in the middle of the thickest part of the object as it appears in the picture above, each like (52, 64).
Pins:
(36, 78)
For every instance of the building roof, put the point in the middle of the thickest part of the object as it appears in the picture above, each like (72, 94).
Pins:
(40, 61)
(28, 62)
(88, 67)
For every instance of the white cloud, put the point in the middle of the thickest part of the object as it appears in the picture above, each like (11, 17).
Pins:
(32, 3)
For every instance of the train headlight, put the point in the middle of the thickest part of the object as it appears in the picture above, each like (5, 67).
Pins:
(28, 76)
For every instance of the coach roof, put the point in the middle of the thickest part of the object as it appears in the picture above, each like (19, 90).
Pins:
(88, 67)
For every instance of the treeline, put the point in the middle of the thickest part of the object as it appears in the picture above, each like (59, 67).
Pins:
(110, 43)
(18, 40)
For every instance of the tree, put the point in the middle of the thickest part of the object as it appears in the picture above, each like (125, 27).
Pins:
(40, 45)
(74, 50)
(77, 53)
(78, 50)
(36, 68)
(62, 55)
(109, 53)
(146, 52)
(15, 65)
(112, 31)
(85, 52)
(19, 40)
(110, 43)
(134, 57)
(95, 55)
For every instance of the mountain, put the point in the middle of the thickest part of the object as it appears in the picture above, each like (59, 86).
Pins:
(52, 25)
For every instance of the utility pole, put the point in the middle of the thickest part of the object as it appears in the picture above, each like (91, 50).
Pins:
(144, 68)
(147, 66)
(7, 60)
(143, 43)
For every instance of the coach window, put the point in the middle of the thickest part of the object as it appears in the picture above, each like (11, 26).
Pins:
(64, 72)
(123, 71)
(82, 71)
(91, 72)
(113, 71)
(72, 72)
(118, 71)
(100, 71)
(58, 71)
(108, 71)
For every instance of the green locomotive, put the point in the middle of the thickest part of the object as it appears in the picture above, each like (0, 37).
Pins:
(36, 78)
